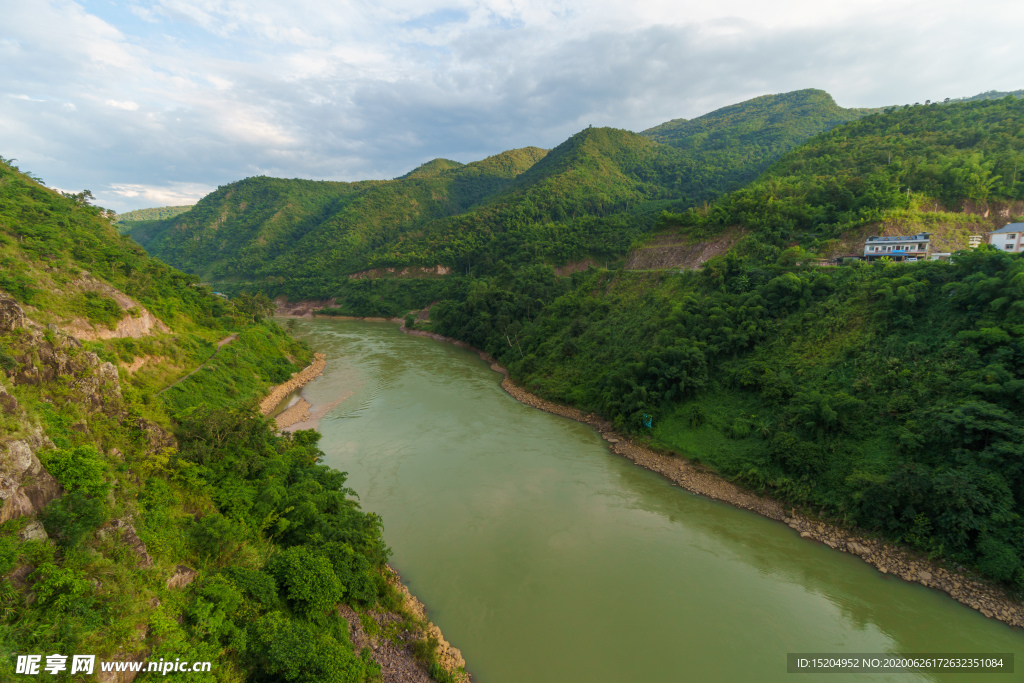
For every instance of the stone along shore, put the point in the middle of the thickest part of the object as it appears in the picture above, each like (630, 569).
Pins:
(990, 600)
(300, 411)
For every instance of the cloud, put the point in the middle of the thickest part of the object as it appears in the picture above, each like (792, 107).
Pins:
(137, 103)
(174, 194)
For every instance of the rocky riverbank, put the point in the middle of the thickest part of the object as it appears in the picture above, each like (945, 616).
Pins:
(396, 639)
(990, 600)
(300, 411)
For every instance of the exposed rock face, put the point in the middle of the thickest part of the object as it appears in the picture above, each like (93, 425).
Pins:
(156, 436)
(137, 322)
(8, 404)
(45, 359)
(11, 315)
(19, 577)
(25, 485)
(181, 577)
(125, 533)
(34, 531)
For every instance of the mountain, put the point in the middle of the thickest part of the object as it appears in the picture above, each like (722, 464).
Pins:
(147, 511)
(155, 214)
(266, 226)
(730, 147)
(589, 198)
(884, 396)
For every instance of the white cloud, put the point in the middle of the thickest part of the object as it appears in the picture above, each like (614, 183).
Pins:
(126, 105)
(174, 194)
(118, 97)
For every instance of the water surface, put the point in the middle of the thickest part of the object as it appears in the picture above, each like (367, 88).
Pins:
(545, 557)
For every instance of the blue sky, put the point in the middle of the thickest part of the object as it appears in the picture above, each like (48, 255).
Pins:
(157, 103)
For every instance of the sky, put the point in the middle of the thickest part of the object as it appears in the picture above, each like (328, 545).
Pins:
(158, 103)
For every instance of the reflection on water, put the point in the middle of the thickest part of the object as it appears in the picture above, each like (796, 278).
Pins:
(545, 557)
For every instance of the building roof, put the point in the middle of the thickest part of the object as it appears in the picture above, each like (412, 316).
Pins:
(1010, 227)
(921, 236)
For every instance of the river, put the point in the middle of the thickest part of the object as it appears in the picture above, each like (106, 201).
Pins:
(545, 557)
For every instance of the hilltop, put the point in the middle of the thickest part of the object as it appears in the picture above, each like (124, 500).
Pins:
(731, 146)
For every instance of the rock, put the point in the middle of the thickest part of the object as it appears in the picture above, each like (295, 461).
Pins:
(116, 454)
(34, 531)
(125, 533)
(121, 676)
(8, 404)
(11, 315)
(924, 577)
(157, 437)
(805, 534)
(19, 577)
(613, 440)
(858, 549)
(181, 577)
(25, 485)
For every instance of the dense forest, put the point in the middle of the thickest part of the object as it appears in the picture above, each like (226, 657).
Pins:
(885, 396)
(928, 160)
(591, 197)
(162, 519)
(155, 214)
(746, 138)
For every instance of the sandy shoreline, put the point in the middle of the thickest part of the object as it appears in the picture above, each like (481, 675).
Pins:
(991, 601)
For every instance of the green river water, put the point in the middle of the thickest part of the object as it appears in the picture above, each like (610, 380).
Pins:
(545, 557)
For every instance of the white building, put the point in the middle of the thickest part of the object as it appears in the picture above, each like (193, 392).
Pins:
(898, 247)
(1009, 238)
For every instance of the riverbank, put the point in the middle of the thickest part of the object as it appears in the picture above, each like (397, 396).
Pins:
(990, 600)
(300, 411)
(396, 639)
(396, 656)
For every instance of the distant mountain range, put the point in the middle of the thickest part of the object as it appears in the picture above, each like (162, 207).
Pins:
(591, 196)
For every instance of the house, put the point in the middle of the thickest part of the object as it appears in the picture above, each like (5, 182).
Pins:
(1008, 238)
(974, 241)
(898, 247)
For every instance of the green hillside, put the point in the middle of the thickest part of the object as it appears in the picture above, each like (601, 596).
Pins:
(885, 396)
(730, 147)
(915, 166)
(155, 214)
(148, 513)
(265, 227)
(591, 197)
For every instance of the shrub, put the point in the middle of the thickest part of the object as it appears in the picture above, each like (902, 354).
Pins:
(310, 584)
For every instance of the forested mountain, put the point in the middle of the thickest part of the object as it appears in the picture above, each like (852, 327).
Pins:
(147, 513)
(730, 147)
(590, 197)
(915, 165)
(883, 395)
(888, 395)
(267, 226)
(155, 214)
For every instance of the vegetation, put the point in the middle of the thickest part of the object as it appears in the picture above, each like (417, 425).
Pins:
(142, 215)
(930, 158)
(884, 395)
(156, 479)
(730, 147)
(592, 197)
